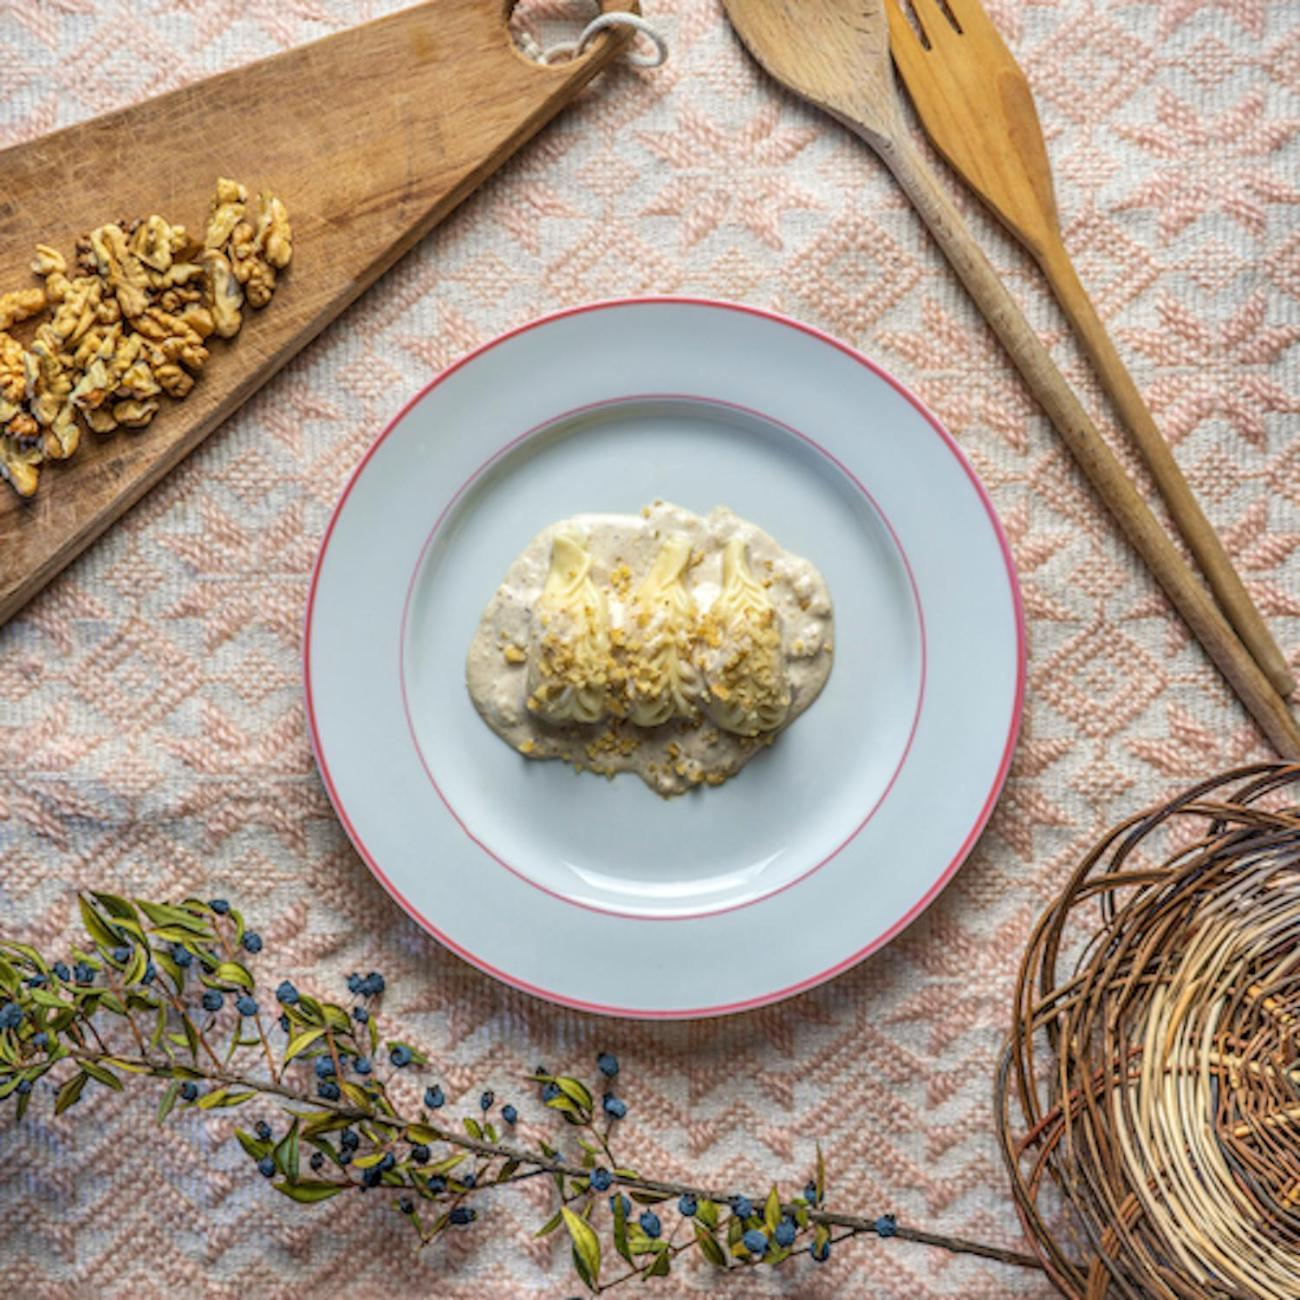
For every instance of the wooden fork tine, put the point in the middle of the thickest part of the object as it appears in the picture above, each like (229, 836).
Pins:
(973, 19)
(904, 44)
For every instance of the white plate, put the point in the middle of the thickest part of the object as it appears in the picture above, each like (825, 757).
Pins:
(598, 894)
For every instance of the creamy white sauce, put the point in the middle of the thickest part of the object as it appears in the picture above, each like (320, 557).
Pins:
(620, 581)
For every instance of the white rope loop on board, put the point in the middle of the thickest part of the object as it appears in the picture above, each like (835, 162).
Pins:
(572, 49)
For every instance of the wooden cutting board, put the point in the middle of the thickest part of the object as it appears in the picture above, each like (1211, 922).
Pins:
(370, 137)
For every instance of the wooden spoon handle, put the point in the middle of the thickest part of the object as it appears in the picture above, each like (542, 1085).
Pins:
(1183, 506)
(1095, 458)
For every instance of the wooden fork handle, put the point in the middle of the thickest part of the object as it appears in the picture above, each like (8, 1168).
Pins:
(1094, 457)
(1183, 506)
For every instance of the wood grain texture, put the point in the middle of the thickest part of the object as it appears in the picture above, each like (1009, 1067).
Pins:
(977, 107)
(369, 136)
(835, 54)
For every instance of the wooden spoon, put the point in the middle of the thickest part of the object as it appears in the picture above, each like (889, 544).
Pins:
(835, 54)
(977, 108)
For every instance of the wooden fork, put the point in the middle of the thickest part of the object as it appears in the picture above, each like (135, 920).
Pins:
(978, 110)
(835, 54)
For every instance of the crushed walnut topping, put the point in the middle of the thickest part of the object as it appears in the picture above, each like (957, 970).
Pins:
(130, 324)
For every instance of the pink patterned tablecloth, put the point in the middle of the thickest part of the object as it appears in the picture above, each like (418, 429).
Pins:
(151, 724)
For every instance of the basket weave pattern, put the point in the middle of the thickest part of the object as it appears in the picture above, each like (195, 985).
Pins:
(1149, 1096)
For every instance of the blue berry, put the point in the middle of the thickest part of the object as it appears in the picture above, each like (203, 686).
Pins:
(263, 1130)
(360, 1015)
(601, 1179)
(24, 1087)
(181, 956)
(755, 1242)
(650, 1224)
(345, 1157)
(328, 1090)
(406, 1205)
(219, 906)
(886, 1226)
(37, 981)
(743, 1207)
(363, 1065)
(810, 1193)
(613, 1106)
(212, 999)
(822, 1255)
(83, 972)
(387, 1162)
(61, 970)
(400, 1056)
(469, 1180)
(509, 1113)
(371, 1177)
(283, 1022)
(550, 1091)
(317, 1161)
(246, 1005)
(485, 1101)
(420, 1154)
(122, 954)
(373, 984)
(266, 1167)
(785, 1232)
(437, 1184)
(150, 972)
(324, 1067)
(286, 993)
(462, 1215)
(607, 1062)
(252, 941)
(617, 1202)
(349, 1139)
(354, 983)
(41, 1041)
(434, 1097)
(189, 1091)
(11, 1015)
(687, 1206)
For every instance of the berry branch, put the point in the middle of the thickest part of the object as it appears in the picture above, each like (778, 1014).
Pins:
(184, 968)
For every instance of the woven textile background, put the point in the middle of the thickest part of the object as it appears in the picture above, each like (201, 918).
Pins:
(151, 726)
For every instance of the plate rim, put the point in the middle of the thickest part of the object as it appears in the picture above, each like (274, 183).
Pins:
(981, 820)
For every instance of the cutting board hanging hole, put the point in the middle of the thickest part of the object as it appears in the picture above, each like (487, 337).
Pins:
(534, 33)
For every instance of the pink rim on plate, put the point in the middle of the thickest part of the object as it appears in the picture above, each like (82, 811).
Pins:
(968, 842)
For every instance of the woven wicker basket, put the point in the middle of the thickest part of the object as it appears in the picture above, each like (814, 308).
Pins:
(1149, 1095)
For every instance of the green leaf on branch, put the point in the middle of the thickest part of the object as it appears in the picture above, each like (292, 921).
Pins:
(709, 1248)
(101, 1075)
(821, 1176)
(95, 925)
(620, 1230)
(70, 1092)
(286, 1153)
(168, 1100)
(550, 1225)
(255, 1147)
(310, 1191)
(661, 1266)
(707, 1213)
(772, 1210)
(231, 972)
(164, 914)
(472, 1127)
(586, 1246)
(300, 1042)
(576, 1090)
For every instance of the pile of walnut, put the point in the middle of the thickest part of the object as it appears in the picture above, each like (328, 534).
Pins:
(131, 323)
